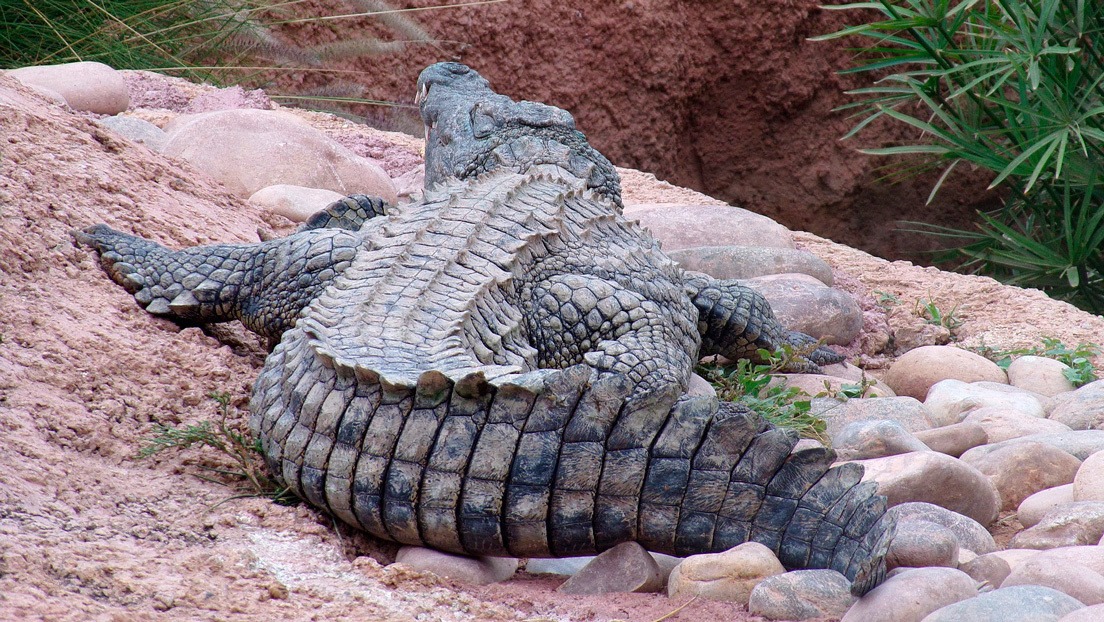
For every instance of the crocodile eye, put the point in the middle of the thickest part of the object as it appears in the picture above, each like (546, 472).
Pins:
(482, 124)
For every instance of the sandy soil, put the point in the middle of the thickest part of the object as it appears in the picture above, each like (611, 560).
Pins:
(89, 532)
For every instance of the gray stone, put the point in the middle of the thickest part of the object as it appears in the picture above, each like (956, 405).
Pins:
(873, 439)
(817, 310)
(460, 568)
(912, 594)
(920, 544)
(935, 478)
(557, 565)
(728, 576)
(988, 570)
(950, 401)
(1078, 443)
(1033, 508)
(801, 595)
(916, 371)
(137, 130)
(970, 534)
(679, 226)
(88, 86)
(1077, 523)
(295, 203)
(1088, 484)
(1020, 603)
(1039, 374)
(1082, 409)
(909, 412)
(248, 150)
(1022, 469)
(954, 439)
(626, 567)
(1076, 580)
(746, 262)
(1002, 424)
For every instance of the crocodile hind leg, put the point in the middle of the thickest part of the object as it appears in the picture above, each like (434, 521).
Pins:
(264, 285)
(349, 213)
(736, 322)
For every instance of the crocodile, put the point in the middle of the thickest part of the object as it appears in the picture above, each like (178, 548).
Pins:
(500, 367)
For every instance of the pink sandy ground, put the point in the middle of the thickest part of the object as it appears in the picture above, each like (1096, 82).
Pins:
(90, 532)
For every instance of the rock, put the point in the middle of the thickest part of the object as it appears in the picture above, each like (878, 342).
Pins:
(1014, 557)
(470, 570)
(1002, 424)
(1089, 556)
(874, 439)
(248, 150)
(920, 544)
(1082, 409)
(911, 595)
(1033, 508)
(626, 567)
(1039, 374)
(954, 439)
(909, 412)
(915, 371)
(801, 595)
(1077, 523)
(969, 533)
(746, 262)
(295, 203)
(137, 130)
(1094, 613)
(1019, 603)
(1022, 469)
(816, 310)
(557, 565)
(1078, 443)
(88, 86)
(728, 576)
(935, 478)
(950, 401)
(1076, 580)
(679, 226)
(817, 384)
(1088, 483)
(700, 387)
(988, 570)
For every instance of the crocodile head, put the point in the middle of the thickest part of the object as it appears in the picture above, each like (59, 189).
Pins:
(470, 130)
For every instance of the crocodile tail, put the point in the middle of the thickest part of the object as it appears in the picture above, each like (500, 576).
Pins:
(547, 463)
(264, 285)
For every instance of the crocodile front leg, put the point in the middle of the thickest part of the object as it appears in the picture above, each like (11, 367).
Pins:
(736, 322)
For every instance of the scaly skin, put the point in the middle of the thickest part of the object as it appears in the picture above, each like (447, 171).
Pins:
(501, 367)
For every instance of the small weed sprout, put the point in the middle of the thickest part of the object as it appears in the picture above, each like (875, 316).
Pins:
(223, 438)
(932, 314)
(1079, 359)
(886, 300)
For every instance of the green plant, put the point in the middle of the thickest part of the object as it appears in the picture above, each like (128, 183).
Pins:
(1079, 359)
(1014, 87)
(751, 384)
(932, 314)
(221, 436)
(886, 300)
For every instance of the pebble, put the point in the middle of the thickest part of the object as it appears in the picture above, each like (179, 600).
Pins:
(1076, 523)
(838, 414)
(873, 439)
(920, 544)
(626, 567)
(1078, 443)
(1095, 613)
(700, 387)
(951, 401)
(1019, 603)
(1088, 483)
(251, 149)
(935, 478)
(915, 371)
(557, 565)
(678, 226)
(746, 262)
(817, 384)
(1090, 556)
(1039, 374)
(954, 439)
(460, 568)
(801, 595)
(1081, 409)
(988, 570)
(87, 86)
(1033, 508)
(1002, 424)
(1076, 580)
(814, 309)
(137, 130)
(295, 203)
(969, 533)
(912, 594)
(1019, 470)
(729, 576)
